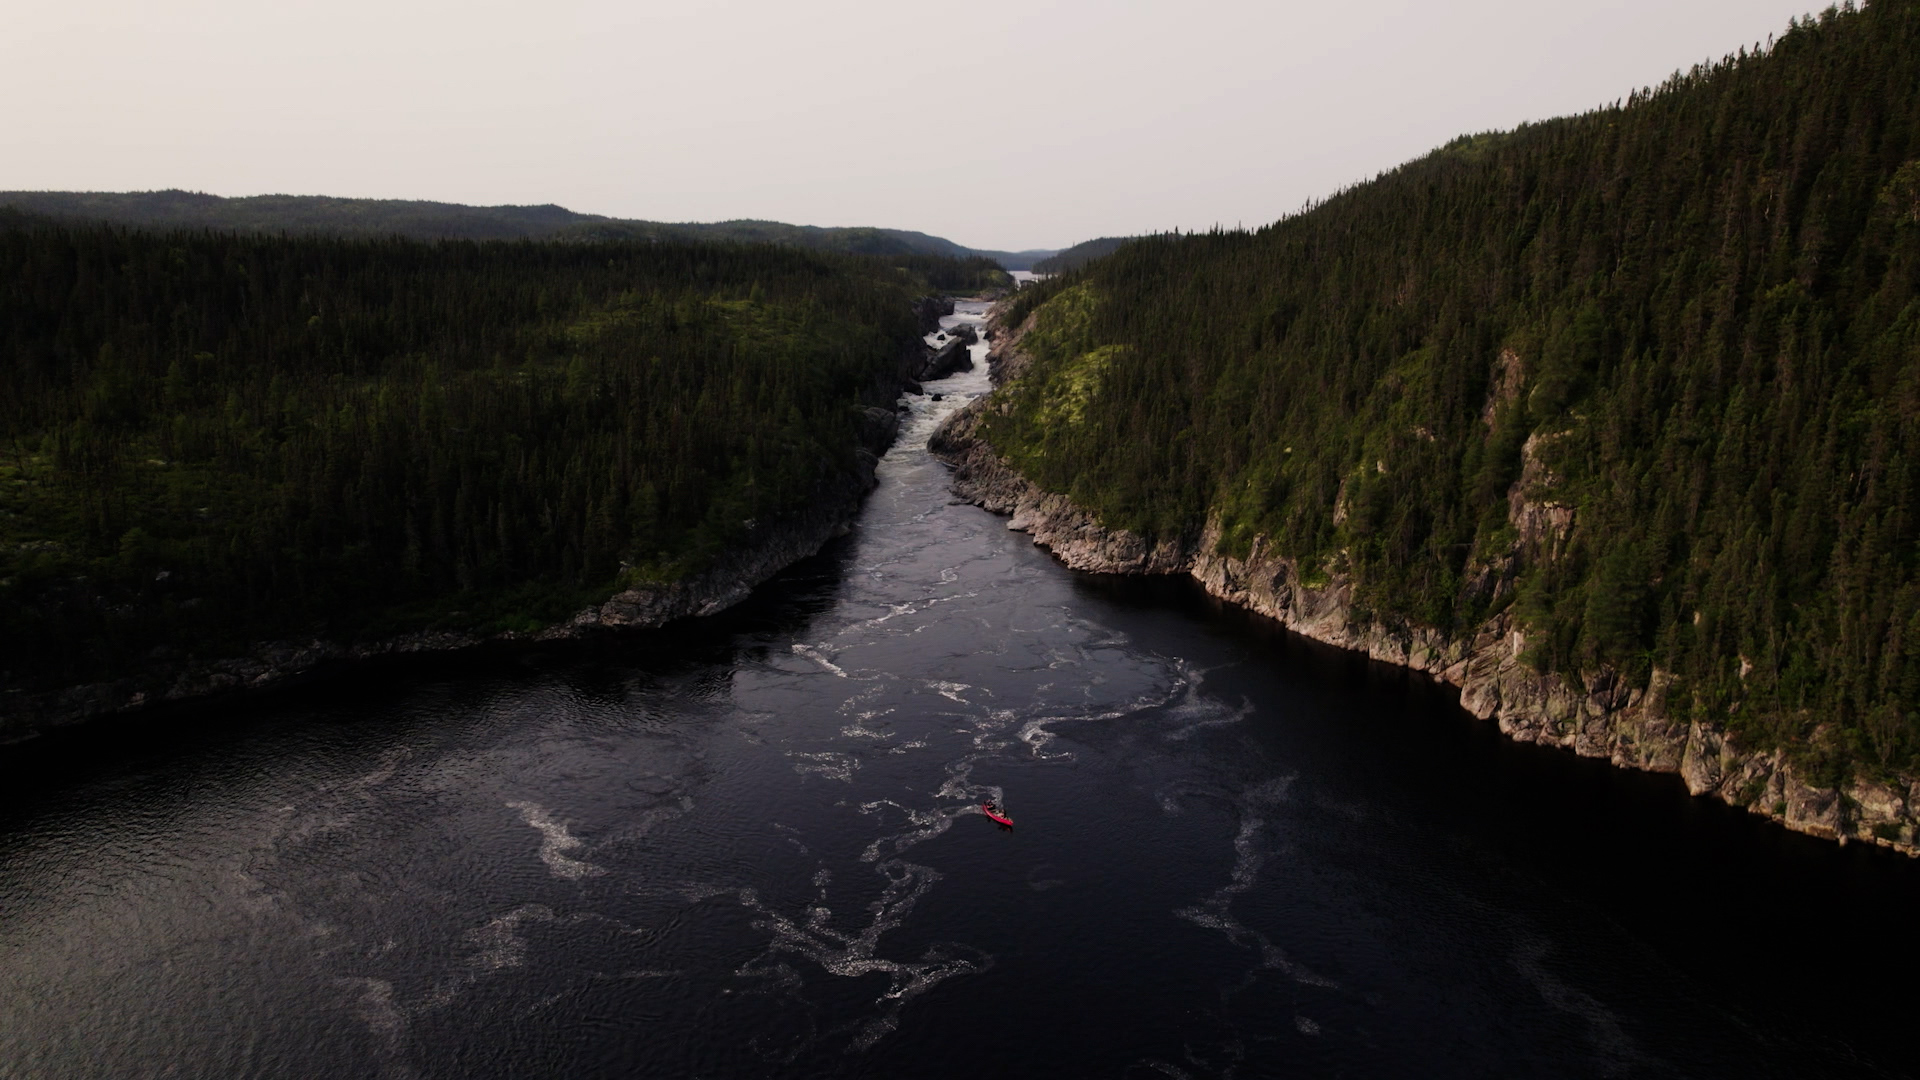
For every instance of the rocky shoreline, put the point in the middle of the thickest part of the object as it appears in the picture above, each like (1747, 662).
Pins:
(1602, 717)
(770, 548)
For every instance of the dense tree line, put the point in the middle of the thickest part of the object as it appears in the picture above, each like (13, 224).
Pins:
(208, 438)
(1079, 255)
(1697, 311)
(452, 221)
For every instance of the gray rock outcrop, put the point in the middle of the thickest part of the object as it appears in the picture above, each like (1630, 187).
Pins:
(1601, 716)
(947, 359)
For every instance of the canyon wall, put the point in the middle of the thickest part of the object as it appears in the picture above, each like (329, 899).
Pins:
(1601, 716)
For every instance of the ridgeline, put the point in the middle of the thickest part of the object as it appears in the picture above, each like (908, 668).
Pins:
(423, 220)
(1637, 391)
(1079, 255)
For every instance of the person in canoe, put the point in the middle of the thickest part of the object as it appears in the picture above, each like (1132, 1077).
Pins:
(997, 814)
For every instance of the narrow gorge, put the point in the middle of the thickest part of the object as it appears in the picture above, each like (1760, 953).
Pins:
(1601, 717)
(752, 844)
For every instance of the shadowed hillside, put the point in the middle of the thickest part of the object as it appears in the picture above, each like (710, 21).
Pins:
(210, 438)
(452, 221)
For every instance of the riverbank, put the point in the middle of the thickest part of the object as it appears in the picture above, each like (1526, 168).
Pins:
(1603, 717)
(1237, 847)
(770, 547)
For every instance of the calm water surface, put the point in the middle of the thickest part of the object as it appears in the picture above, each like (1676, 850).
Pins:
(750, 847)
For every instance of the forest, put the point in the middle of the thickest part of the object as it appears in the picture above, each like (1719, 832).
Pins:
(1078, 255)
(452, 221)
(1692, 318)
(211, 438)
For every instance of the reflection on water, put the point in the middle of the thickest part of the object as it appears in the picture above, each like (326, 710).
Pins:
(752, 846)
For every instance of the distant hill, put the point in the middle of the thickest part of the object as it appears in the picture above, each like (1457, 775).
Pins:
(439, 221)
(1074, 257)
(303, 213)
(1019, 260)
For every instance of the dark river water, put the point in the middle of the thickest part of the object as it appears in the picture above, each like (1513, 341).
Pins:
(750, 847)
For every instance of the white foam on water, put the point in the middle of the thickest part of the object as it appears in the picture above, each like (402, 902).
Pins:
(988, 731)
(1618, 1054)
(1037, 736)
(920, 825)
(1305, 1026)
(498, 944)
(862, 702)
(859, 729)
(1215, 912)
(832, 764)
(951, 690)
(695, 891)
(1198, 714)
(820, 658)
(949, 599)
(374, 1004)
(556, 843)
(851, 955)
(894, 611)
(1038, 733)
(959, 783)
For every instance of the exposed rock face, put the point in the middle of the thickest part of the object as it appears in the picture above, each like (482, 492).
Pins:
(1509, 374)
(947, 359)
(769, 548)
(1601, 717)
(929, 309)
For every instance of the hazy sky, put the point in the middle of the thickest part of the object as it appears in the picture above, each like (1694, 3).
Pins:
(998, 124)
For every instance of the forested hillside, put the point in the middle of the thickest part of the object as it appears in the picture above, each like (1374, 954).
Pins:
(1079, 255)
(452, 221)
(1682, 332)
(211, 438)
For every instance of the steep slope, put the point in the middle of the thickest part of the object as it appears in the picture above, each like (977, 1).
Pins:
(209, 440)
(1079, 255)
(1626, 406)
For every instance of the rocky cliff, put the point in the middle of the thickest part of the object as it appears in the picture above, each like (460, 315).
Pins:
(952, 355)
(1602, 716)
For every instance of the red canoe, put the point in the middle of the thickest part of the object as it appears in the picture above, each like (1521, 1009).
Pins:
(1007, 821)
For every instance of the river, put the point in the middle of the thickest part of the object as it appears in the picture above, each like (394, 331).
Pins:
(750, 846)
